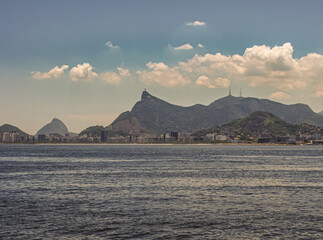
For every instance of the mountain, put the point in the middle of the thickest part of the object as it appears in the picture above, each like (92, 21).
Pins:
(231, 108)
(321, 113)
(55, 126)
(153, 115)
(93, 131)
(9, 128)
(126, 123)
(261, 123)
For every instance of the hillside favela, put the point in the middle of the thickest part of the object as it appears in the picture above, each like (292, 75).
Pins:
(232, 119)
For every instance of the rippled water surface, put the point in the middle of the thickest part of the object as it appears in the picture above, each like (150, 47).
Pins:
(161, 192)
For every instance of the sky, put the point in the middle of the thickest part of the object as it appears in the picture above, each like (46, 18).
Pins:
(85, 62)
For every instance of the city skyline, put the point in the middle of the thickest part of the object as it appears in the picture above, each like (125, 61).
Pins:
(85, 63)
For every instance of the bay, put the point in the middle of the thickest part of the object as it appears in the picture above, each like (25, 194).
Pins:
(161, 192)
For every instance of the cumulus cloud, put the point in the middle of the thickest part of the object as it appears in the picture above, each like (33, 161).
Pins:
(280, 96)
(163, 75)
(319, 90)
(261, 66)
(123, 72)
(186, 46)
(200, 45)
(56, 72)
(83, 72)
(110, 45)
(113, 77)
(222, 82)
(204, 81)
(195, 24)
(258, 66)
(319, 93)
(110, 77)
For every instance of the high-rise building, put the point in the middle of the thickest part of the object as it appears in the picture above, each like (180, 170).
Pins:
(104, 135)
(174, 135)
(41, 137)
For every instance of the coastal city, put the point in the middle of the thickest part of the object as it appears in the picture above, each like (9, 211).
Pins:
(153, 120)
(172, 137)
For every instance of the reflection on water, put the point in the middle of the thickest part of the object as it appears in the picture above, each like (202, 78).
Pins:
(161, 192)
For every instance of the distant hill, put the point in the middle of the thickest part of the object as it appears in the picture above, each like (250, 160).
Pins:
(261, 123)
(153, 115)
(93, 131)
(9, 128)
(55, 126)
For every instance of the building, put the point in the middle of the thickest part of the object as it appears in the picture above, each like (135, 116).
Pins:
(174, 135)
(104, 135)
(210, 136)
(220, 137)
(41, 137)
(6, 137)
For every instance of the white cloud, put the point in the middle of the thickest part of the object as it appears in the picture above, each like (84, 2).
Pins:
(56, 72)
(204, 81)
(110, 45)
(160, 73)
(319, 90)
(115, 78)
(319, 93)
(280, 95)
(195, 24)
(200, 45)
(261, 66)
(83, 72)
(123, 72)
(110, 77)
(186, 46)
(222, 82)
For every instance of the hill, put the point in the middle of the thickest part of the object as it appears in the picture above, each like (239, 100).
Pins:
(153, 115)
(93, 131)
(55, 126)
(321, 113)
(261, 124)
(9, 128)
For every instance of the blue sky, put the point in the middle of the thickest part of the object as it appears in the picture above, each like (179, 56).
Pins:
(154, 45)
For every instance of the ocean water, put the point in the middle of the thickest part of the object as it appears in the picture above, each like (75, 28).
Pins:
(161, 192)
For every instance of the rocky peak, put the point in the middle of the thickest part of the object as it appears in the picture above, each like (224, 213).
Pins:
(57, 121)
(145, 95)
(55, 126)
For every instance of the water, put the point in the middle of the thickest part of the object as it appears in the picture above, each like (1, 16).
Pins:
(161, 192)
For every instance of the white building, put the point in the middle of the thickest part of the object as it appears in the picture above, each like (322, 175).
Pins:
(220, 137)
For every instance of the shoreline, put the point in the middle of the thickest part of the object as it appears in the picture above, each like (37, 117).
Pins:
(162, 144)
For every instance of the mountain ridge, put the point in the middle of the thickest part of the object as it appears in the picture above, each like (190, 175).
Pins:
(154, 115)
